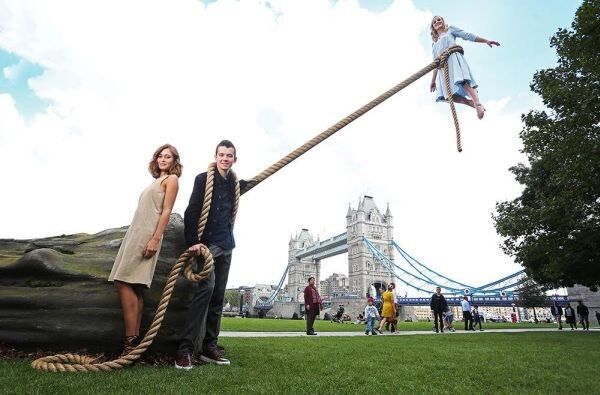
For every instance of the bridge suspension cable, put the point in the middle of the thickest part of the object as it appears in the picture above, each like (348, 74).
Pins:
(427, 279)
(501, 284)
(275, 292)
(429, 274)
(406, 277)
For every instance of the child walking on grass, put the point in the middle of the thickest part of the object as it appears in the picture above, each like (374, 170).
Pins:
(371, 314)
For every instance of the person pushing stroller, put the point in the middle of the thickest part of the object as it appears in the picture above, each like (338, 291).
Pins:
(449, 319)
(339, 315)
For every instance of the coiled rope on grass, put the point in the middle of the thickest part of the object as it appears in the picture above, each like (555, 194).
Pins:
(79, 363)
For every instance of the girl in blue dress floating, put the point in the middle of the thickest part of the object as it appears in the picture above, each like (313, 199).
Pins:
(462, 82)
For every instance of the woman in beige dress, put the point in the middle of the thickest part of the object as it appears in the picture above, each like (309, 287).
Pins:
(134, 266)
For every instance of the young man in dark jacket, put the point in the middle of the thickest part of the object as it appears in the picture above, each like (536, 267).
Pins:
(207, 304)
(438, 306)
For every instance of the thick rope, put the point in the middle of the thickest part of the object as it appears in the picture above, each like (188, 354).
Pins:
(437, 63)
(445, 55)
(78, 363)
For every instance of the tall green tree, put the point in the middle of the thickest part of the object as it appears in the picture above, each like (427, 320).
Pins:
(532, 295)
(553, 228)
(232, 296)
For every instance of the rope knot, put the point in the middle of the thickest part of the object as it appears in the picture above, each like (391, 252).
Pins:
(442, 60)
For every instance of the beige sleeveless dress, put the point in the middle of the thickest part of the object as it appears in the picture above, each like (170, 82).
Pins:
(130, 265)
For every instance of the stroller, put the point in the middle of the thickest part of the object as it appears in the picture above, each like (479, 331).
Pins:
(339, 315)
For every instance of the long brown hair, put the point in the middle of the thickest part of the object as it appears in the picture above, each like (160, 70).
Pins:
(433, 32)
(176, 167)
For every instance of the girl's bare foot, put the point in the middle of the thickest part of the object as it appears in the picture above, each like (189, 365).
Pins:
(480, 110)
(462, 100)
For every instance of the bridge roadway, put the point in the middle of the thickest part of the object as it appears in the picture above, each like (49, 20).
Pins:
(333, 246)
(483, 301)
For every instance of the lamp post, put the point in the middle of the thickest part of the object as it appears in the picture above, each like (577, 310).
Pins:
(241, 301)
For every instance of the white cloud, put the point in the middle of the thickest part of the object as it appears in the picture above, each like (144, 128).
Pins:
(11, 72)
(125, 77)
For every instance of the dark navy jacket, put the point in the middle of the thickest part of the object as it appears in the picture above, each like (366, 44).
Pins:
(219, 227)
(438, 303)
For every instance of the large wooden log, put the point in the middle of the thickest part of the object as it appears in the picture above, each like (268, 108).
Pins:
(54, 293)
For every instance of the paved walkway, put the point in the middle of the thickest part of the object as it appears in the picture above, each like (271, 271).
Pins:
(402, 333)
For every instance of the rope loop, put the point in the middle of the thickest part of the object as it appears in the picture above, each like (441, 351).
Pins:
(442, 62)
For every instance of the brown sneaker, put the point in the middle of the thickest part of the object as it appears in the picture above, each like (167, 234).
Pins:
(212, 355)
(183, 361)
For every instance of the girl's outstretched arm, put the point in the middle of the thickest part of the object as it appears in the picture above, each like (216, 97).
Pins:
(458, 32)
(490, 43)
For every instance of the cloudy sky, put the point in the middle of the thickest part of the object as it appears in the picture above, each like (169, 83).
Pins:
(89, 89)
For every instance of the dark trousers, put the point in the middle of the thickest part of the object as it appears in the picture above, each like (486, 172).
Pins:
(558, 318)
(207, 305)
(437, 316)
(310, 317)
(571, 320)
(477, 321)
(585, 321)
(468, 318)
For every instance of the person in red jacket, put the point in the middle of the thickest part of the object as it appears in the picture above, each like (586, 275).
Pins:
(312, 305)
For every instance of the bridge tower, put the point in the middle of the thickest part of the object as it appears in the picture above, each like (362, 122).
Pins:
(364, 272)
(301, 269)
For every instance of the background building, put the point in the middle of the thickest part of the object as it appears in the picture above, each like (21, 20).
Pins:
(334, 285)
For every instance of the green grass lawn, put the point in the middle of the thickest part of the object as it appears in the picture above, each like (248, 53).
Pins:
(271, 325)
(533, 362)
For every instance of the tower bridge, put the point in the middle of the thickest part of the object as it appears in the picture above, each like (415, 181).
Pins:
(305, 253)
(369, 243)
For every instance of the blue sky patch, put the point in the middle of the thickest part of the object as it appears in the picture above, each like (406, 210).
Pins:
(14, 75)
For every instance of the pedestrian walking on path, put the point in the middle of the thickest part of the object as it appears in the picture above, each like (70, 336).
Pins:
(583, 312)
(467, 317)
(557, 313)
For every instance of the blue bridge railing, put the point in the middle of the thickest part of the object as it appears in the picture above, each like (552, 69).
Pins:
(479, 300)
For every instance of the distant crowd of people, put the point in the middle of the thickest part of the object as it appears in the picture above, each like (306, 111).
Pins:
(571, 315)
(384, 310)
(443, 315)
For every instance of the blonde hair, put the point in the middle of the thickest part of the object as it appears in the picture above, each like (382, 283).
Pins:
(176, 167)
(434, 34)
